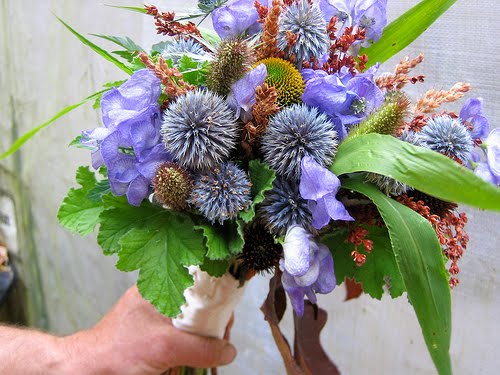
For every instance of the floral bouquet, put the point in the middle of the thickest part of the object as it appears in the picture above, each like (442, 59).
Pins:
(275, 145)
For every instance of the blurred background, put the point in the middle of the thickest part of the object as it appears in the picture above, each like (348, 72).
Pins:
(64, 283)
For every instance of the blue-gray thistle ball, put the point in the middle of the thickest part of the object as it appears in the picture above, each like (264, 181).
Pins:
(306, 21)
(221, 193)
(283, 207)
(199, 130)
(295, 132)
(175, 49)
(448, 136)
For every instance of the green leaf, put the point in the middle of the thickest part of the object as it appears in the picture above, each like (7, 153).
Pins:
(124, 42)
(215, 268)
(210, 36)
(119, 218)
(419, 258)
(223, 241)
(98, 49)
(380, 268)
(192, 71)
(161, 250)
(100, 189)
(405, 29)
(425, 170)
(261, 177)
(29, 134)
(78, 213)
(134, 9)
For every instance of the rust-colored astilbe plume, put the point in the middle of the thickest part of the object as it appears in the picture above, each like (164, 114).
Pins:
(267, 45)
(400, 77)
(338, 51)
(449, 228)
(357, 236)
(171, 78)
(433, 99)
(166, 25)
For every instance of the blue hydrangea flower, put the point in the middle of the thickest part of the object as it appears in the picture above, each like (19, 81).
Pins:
(368, 14)
(319, 186)
(129, 144)
(472, 112)
(307, 268)
(304, 20)
(236, 18)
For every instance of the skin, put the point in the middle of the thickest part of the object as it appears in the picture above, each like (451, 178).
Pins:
(133, 338)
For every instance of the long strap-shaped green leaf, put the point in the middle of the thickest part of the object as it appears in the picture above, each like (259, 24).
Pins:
(98, 49)
(419, 258)
(405, 29)
(425, 170)
(26, 136)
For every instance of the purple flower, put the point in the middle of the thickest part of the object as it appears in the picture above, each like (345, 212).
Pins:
(236, 18)
(242, 95)
(488, 170)
(319, 186)
(307, 268)
(129, 145)
(368, 14)
(472, 111)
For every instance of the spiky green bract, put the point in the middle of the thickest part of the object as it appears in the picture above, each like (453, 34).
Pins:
(199, 130)
(232, 60)
(306, 22)
(220, 194)
(385, 120)
(285, 78)
(447, 136)
(172, 185)
(284, 207)
(295, 132)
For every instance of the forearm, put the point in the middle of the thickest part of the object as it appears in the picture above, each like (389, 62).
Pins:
(24, 351)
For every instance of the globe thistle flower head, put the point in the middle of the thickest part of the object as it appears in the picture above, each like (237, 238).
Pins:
(409, 136)
(387, 184)
(306, 23)
(172, 186)
(233, 59)
(177, 48)
(219, 194)
(284, 207)
(199, 130)
(295, 132)
(447, 136)
(285, 78)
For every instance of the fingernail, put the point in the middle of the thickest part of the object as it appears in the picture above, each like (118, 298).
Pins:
(228, 354)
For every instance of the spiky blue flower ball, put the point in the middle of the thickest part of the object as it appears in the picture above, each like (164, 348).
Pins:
(284, 207)
(175, 49)
(448, 136)
(219, 194)
(199, 129)
(306, 22)
(295, 132)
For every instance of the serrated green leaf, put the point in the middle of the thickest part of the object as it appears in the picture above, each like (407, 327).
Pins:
(261, 177)
(425, 170)
(405, 29)
(419, 258)
(98, 49)
(119, 218)
(76, 143)
(31, 133)
(192, 71)
(161, 250)
(380, 268)
(78, 213)
(100, 189)
(215, 268)
(223, 241)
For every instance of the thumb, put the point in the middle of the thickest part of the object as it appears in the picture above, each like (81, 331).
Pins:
(202, 352)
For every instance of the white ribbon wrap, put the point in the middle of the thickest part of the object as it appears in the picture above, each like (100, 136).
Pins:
(209, 304)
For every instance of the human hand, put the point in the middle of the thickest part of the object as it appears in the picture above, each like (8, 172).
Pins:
(133, 338)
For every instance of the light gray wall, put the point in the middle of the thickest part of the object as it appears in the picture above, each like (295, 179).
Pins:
(43, 68)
